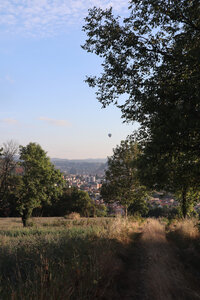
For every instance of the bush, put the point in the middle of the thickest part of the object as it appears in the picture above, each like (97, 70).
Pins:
(160, 212)
(73, 216)
(101, 210)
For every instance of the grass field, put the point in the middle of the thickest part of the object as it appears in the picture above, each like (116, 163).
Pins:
(100, 258)
(56, 258)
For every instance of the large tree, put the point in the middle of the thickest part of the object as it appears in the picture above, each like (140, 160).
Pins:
(40, 182)
(136, 51)
(151, 58)
(122, 184)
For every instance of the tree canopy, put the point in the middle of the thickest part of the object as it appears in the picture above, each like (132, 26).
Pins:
(151, 58)
(138, 51)
(40, 182)
(74, 200)
(122, 184)
(7, 166)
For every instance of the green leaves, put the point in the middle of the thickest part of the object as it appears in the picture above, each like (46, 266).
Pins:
(122, 183)
(152, 58)
(40, 182)
(74, 200)
(136, 49)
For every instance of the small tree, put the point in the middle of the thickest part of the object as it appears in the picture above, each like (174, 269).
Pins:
(121, 183)
(40, 181)
(139, 204)
(100, 210)
(74, 200)
(7, 167)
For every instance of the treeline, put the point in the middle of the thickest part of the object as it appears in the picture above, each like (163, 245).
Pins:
(124, 184)
(72, 200)
(151, 61)
(32, 186)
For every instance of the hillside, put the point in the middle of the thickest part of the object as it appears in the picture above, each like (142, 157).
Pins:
(85, 166)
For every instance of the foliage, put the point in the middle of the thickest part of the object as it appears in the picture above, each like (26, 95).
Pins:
(121, 181)
(151, 58)
(7, 173)
(9, 207)
(156, 35)
(40, 182)
(165, 211)
(100, 210)
(178, 173)
(192, 197)
(139, 205)
(74, 200)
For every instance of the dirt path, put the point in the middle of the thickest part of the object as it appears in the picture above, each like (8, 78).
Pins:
(152, 270)
(164, 278)
(130, 283)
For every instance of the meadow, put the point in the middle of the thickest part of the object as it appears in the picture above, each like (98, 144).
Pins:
(57, 258)
(99, 258)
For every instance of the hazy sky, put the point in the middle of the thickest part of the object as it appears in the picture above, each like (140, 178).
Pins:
(43, 95)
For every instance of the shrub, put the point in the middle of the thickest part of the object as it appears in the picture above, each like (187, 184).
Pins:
(73, 216)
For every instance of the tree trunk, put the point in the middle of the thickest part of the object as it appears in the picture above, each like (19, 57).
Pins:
(25, 216)
(126, 212)
(184, 203)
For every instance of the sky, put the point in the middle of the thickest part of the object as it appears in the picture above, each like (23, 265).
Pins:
(43, 96)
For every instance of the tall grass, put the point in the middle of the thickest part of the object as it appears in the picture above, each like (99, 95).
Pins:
(187, 228)
(65, 259)
(185, 236)
(165, 277)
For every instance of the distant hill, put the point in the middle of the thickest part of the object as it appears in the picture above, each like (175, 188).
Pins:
(88, 160)
(81, 166)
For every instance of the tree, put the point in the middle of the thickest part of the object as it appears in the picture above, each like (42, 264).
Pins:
(8, 164)
(157, 33)
(152, 59)
(100, 210)
(175, 172)
(139, 204)
(121, 181)
(74, 200)
(40, 182)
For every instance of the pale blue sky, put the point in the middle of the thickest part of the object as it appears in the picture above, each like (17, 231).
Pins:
(43, 95)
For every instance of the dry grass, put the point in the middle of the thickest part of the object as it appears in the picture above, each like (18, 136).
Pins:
(76, 260)
(154, 231)
(187, 228)
(73, 216)
(122, 229)
(10, 223)
(185, 237)
(16, 223)
(96, 258)
(164, 279)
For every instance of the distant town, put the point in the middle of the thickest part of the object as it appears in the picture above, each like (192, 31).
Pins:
(88, 176)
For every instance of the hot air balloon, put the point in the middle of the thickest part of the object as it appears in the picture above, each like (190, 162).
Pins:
(109, 135)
